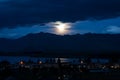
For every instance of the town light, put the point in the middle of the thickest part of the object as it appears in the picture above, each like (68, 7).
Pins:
(40, 62)
(21, 62)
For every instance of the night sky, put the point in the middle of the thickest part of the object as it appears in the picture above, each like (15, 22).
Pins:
(21, 17)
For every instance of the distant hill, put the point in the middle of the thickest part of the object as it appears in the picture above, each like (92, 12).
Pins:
(51, 44)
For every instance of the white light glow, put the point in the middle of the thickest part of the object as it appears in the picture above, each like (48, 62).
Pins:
(61, 28)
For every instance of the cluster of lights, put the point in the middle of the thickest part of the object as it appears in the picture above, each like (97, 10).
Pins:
(115, 66)
(22, 62)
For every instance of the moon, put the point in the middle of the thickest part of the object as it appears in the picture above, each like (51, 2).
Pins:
(61, 28)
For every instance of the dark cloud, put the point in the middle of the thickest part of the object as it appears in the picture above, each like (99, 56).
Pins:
(29, 12)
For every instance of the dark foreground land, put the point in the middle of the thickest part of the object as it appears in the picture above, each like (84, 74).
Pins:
(52, 73)
(75, 76)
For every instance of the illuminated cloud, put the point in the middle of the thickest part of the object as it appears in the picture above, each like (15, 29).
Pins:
(113, 29)
(82, 27)
(22, 31)
(60, 28)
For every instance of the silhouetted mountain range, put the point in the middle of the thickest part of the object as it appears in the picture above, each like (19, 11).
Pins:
(51, 44)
